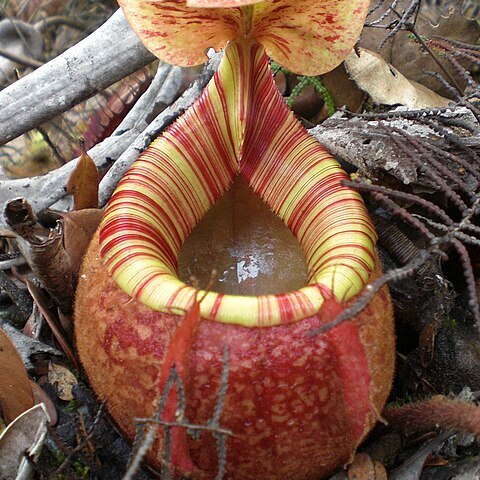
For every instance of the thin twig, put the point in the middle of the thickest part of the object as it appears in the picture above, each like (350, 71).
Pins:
(371, 290)
(149, 433)
(83, 443)
(21, 59)
(442, 67)
(60, 20)
(189, 426)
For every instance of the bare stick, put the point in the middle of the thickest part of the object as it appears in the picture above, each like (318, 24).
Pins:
(109, 182)
(22, 59)
(77, 74)
(42, 192)
(149, 433)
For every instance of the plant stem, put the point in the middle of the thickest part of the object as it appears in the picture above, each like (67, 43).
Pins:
(452, 80)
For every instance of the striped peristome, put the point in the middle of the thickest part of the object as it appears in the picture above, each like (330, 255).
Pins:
(239, 125)
(308, 37)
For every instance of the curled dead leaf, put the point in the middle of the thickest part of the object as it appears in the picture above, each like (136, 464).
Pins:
(78, 228)
(54, 255)
(62, 332)
(83, 183)
(43, 250)
(386, 85)
(40, 396)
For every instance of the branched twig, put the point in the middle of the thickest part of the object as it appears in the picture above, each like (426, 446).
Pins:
(453, 235)
(78, 73)
(91, 432)
(435, 59)
(132, 135)
(457, 142)
(221, 437)
(424, 167)
(384, 15)
(463, 237)
(147, 436)
(371, 290)
(147, 428)
(404, 21)
(460, 100)
(222, 391)
(407, 197)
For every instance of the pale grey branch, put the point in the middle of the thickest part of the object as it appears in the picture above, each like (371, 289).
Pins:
(110, 53)
(133, 135)
(117, 171)
(42, 192)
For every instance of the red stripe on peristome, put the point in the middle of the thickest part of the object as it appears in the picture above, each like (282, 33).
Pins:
(194, 161)
(216, 306)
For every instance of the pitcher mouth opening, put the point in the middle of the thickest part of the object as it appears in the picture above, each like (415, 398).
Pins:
(329, 276)
(239, 125)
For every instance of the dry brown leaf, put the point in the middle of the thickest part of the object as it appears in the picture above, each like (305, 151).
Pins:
(83, 183)
(62, 380)
(78, 229)
(436, 461)
(51, 264)
(54, 255)
(40, 396)
(344, 91)
(34, 323)
(408, 56)
(281, 82)
(386, 85)
(15, 391)
(44, 252)
(364, 468)
(308, 103)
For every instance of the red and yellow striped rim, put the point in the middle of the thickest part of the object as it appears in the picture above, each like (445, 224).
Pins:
(240, 125)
